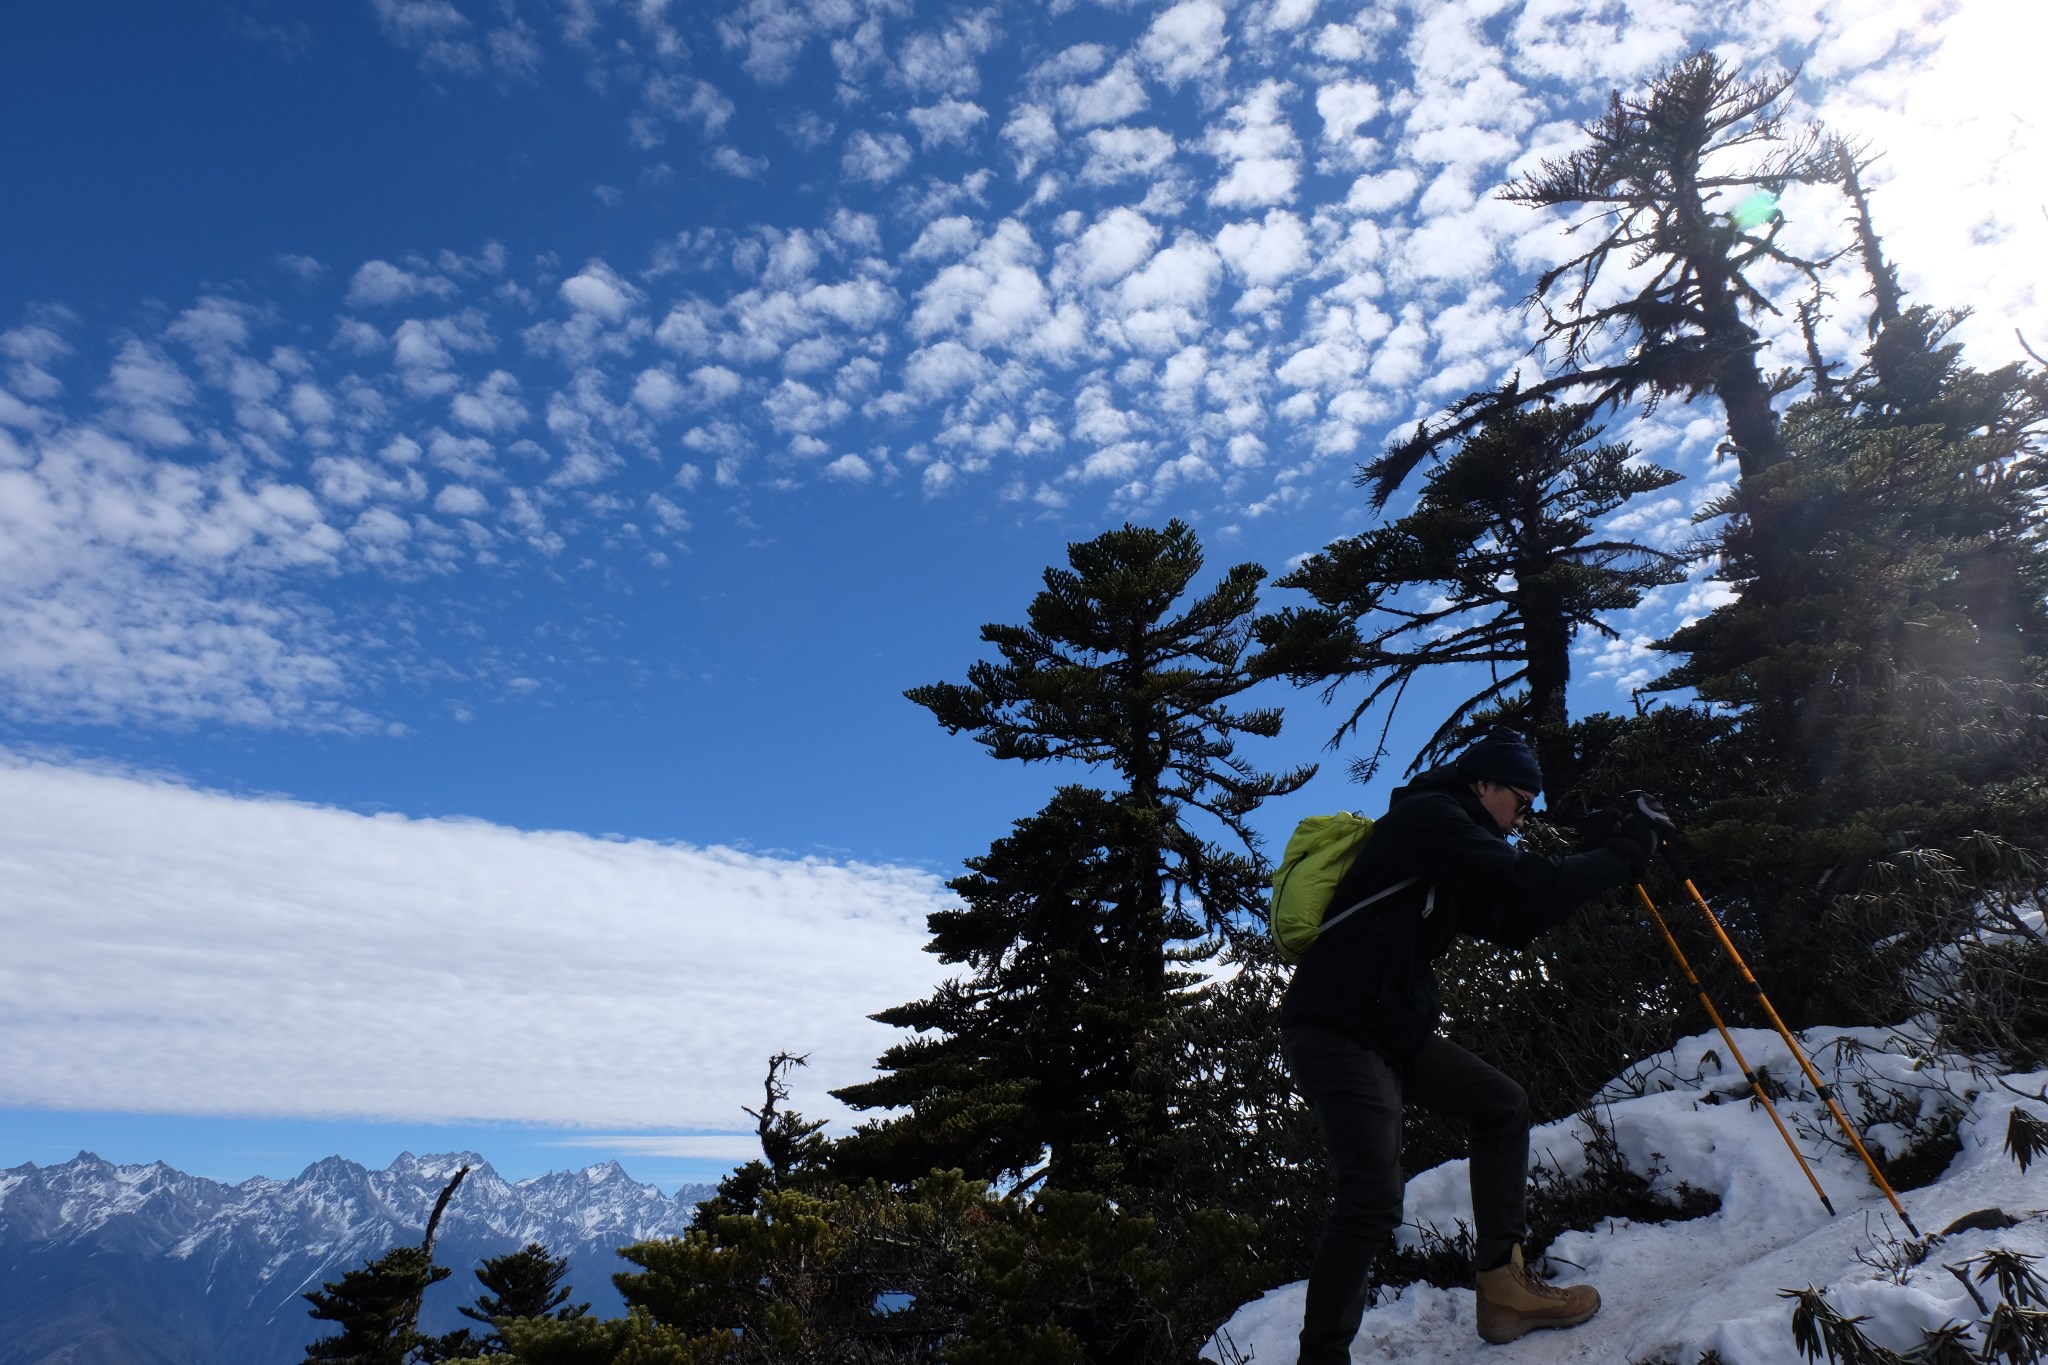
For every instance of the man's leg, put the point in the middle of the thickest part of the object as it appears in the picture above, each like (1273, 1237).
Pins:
(1357, 1101)
(1448, 1080)
(1512, 1300)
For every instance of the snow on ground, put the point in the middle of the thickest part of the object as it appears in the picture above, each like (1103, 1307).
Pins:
(1672, 1291)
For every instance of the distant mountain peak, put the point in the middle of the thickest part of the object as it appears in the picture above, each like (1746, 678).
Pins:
(226, 1265)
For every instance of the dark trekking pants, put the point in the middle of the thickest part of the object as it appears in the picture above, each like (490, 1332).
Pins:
(1357, 1097)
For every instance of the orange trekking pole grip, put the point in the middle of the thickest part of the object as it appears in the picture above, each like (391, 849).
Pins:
(1799, 1054)
(1755, 1085)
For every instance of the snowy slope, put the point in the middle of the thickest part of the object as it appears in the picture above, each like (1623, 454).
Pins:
(1675, 1290)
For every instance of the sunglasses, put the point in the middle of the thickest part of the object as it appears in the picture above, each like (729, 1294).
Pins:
(1524, 801)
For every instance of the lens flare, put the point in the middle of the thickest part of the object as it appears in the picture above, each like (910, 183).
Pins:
(1760, 207)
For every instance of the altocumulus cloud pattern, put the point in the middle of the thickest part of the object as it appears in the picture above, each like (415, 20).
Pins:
(1059, 259)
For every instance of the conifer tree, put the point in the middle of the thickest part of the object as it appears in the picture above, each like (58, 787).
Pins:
(794, 1150)
(1042, 1048)
(1684, 181)
(520, 1284)
(377, 1305)
(1503, 532)
(1055, 1039)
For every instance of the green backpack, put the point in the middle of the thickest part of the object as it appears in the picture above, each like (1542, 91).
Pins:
(1319, 853)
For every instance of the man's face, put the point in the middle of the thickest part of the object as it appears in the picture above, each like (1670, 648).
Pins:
(1508, 806)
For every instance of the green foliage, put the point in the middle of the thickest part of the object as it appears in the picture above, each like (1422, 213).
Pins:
(1817, 1328)
(520, 1284)
(1105, 673)
(794, 1152)
(635, 1339)
(1669, 175)
(2018, 1283)
(939, 1270)
(1053, 1044)
(1503, 532)
(2026, 1137)
(375, 1307)
(1056, 1044)
(835, 1273)
(1250, 1144)
(2014, 1330)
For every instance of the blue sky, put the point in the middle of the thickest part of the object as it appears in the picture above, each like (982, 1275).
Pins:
(476, 477)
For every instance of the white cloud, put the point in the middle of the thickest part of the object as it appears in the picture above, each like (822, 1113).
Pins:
(424, 349)
(876, 158)
(944, 63)
(715, 383)
(1258, 147)
(943, 238)
(861, 304)
(1118, 95)
(1112, 247)
(302, 268)
(1375, 194)
(795, 408)
(599, 291)
(179, 951)
(1342, 43)
(1126, 153)
(942, 368)
(686, 99)
(150, 387)
(773, 33)
(379, 282)
(1182, 275)
(1069, 63)
(851, 468)
(137, 590)
(493, 406)
(1345, 107)
(1186, 42)
(947, 121)
(690, 326)
(346, 481)
(659, 392)
(738, 164)
(1265, 253)
(460, 500)
(1032, 135)
(994, 296)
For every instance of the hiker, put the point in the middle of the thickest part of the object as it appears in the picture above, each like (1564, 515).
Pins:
(1358, 1026)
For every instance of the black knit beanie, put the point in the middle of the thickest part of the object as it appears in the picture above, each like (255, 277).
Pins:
(1501, 756)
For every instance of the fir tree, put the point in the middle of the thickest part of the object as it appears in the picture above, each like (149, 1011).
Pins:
(1042, 1049)
(794, 1152)
(377, 1306)
(1503, 532)
(1684, 182)
(520, 1284)
(1071, 927)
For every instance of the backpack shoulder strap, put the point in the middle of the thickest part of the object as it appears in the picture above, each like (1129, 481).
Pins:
(1331, 920)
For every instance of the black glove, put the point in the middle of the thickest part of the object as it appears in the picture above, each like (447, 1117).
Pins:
(1651, 809)
(1644, 827)
(1600, 826)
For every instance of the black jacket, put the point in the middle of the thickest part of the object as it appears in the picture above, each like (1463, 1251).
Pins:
(1372, 975)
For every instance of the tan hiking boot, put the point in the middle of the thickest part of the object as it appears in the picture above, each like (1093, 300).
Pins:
(1514, 1301)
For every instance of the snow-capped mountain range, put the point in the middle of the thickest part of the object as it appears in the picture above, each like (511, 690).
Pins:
(145, 1265)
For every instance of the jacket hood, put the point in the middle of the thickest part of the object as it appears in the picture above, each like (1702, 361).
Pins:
(1439, 779)
(1446, 779)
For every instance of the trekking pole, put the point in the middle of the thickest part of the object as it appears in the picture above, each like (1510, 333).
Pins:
(1826, 1093)
(1755, 1083)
